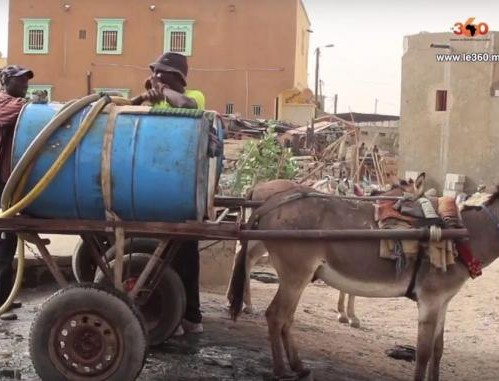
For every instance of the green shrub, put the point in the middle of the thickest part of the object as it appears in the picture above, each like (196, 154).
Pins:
(263, 160)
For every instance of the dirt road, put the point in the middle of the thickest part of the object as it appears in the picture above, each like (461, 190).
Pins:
(239, 351)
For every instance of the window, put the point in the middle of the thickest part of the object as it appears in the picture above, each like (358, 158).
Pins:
(178, 36)
(229, 108)
(123, 92)
(109, 36)
(441, 100)
(34, 88)
(257, 110)
(36, 36)
(82, 34)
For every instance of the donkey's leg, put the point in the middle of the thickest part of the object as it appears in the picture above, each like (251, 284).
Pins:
(280, 314)
(256, 250)
(438, 347)
(275, 322)
(352, 319)
(293, 295)
(236, 258)
(342, 316)
(427, 324)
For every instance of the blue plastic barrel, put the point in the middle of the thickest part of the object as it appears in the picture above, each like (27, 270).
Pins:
(159, 166)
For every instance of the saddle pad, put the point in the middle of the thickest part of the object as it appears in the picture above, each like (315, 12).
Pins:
(476, 199)
(447, 207)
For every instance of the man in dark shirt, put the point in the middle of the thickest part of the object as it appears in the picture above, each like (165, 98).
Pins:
(14, 86)
(166, 89)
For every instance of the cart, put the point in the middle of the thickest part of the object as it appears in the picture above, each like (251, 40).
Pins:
(101, 329)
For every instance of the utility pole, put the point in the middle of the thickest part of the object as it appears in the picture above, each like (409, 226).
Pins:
(317, 55)
(376, 106)
(335, 103)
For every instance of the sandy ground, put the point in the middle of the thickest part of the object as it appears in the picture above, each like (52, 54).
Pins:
(471, 333)
(240, 351)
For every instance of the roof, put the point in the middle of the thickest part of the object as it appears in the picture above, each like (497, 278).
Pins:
(318, 127)
(358, 117)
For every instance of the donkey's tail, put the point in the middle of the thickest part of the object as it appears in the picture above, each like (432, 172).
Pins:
(237, 282)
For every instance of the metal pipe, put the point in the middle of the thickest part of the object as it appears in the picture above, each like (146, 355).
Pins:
(349, 234)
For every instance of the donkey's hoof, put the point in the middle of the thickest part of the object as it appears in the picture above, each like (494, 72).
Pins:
(306, 375)
(342, 318)
(354, 322)
(250, 310)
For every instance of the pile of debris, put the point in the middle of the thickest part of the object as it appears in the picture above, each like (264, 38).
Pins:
(330, 147)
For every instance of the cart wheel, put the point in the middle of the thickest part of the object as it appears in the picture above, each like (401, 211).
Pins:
(84, 266)
(136, 245)
(163, 305)
(88, 332)
(82, 263)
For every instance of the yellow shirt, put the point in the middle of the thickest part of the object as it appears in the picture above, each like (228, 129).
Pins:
(196, 95)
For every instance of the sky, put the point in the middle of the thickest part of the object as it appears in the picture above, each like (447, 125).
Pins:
(365, 62)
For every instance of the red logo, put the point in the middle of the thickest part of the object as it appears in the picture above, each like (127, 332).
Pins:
(469, 29)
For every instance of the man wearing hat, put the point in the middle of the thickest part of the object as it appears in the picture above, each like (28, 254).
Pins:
(165, 88)
(14, 85)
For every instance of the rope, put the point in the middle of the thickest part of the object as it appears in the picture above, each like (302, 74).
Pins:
(435, 233)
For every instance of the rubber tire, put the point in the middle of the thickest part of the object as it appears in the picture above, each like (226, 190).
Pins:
(111, 304)
(169, 295)
(84, 267)
(82, 263)
(136, 245)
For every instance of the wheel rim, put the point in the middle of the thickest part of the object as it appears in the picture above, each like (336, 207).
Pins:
(86, 346)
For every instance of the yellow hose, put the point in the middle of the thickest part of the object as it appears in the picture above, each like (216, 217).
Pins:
(42, 185)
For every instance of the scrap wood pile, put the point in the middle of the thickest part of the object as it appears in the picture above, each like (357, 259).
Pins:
(239, 128)
(332, 149)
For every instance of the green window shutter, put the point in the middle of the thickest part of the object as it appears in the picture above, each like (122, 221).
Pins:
(178, 36)
(36, 36)
(124, 92)
(32, 88)
(109, 36)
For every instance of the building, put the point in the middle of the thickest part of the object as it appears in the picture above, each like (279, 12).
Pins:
(449, 120)
(242, 54)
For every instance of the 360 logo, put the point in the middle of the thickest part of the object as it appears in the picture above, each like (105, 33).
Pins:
(469, 29)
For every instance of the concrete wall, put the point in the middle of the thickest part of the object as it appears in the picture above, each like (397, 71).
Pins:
(301, 47)
(244, 52)
(300, 114)
(463, 139)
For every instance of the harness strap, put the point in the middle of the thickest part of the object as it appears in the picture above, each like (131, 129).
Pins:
(410, 289)
(266, 208)
(106, 185)
(491, 215)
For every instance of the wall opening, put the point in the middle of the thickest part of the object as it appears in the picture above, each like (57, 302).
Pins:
(441, 100)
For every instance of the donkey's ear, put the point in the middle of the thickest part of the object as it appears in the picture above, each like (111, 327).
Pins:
(419, 184)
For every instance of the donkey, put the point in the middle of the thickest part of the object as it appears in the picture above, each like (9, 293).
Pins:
(356, 268)
(256, 249)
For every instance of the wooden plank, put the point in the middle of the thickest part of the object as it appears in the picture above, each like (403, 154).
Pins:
(132, 228)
